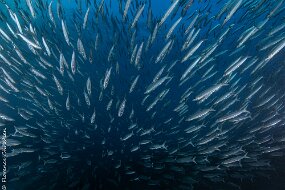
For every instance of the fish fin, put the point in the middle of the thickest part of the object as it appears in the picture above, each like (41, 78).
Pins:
(245, 156)
(194, 160)
(164, 146)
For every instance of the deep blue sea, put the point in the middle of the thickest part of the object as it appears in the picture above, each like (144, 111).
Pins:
(142, 94)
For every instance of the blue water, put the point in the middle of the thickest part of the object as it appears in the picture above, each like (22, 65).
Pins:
(99, 158)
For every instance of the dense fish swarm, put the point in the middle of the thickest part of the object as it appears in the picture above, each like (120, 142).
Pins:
(142, 94)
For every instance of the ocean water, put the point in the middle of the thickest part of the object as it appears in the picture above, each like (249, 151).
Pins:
(160, 94)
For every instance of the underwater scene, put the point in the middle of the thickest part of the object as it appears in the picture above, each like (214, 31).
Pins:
(142, 94)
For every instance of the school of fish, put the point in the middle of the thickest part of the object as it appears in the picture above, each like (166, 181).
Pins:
(124, 94)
